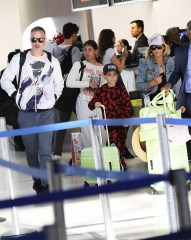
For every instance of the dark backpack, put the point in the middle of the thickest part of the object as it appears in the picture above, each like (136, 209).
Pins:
(68, 98)
(66, 63)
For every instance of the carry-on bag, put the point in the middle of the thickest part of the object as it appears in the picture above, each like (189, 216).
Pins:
(110, 156)
(149, 133)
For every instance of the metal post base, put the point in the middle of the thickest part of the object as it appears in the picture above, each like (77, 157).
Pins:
(2, 219)
(23, 232)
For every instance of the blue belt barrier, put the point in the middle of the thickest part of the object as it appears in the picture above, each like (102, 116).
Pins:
(32, 236)
(35, 172)
(77, 171)
(176, 121)
(63, 169)
(46, 128)
(120, 122)
(182, 235)
(83, 192)
(88, 122)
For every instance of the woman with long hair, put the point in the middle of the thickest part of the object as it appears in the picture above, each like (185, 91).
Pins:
(91, 80)
(106, 51)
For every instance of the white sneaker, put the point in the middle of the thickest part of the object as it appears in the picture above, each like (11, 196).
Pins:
(57, 157)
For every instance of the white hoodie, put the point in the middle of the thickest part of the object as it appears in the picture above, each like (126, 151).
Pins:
(35, 92)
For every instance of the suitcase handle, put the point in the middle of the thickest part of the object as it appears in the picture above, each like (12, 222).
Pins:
(104, 115)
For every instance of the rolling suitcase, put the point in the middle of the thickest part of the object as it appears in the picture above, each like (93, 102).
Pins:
(110, 157)
(149, 133)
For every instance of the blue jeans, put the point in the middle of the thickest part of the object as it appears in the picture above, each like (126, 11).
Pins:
(37, 146)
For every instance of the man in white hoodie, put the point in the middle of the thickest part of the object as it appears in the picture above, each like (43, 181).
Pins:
(40, 84)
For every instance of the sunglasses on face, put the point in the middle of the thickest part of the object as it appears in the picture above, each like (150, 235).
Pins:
(34, 40)
(154, 47)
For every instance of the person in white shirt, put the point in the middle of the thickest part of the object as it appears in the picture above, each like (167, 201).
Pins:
(92, 79)
(41, 83)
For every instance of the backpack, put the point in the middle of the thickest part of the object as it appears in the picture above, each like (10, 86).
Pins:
(69, 95)
(9, 109)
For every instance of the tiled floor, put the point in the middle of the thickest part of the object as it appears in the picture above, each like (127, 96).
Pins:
(135, 214)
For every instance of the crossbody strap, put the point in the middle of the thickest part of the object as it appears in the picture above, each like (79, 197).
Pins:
(81, 70)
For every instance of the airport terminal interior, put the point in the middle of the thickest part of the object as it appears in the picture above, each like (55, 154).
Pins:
(135, 214)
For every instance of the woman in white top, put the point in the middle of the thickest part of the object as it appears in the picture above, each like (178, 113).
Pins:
(91, 80)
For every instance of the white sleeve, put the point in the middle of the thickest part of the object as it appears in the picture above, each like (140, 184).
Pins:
(110, 53)
(9, 74)
(74, 77)
(57, 78)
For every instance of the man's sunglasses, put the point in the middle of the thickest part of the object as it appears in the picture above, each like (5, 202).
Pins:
(154, 47)
(34, 40)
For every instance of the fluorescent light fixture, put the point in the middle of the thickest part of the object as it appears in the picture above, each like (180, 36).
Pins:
(119, 2)
(79, 5)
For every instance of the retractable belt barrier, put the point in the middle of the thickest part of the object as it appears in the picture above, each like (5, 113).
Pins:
(127, 181)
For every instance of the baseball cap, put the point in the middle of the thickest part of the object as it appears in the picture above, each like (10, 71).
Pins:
(110, 67)
(156, 39)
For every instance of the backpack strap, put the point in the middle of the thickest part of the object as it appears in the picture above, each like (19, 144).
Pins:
(49, 55)
(81, 70)
(22, 61)
(65, 52)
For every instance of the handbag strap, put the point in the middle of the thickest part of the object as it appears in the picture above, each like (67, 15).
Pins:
(166, 101)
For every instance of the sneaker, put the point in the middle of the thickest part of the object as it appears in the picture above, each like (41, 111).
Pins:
(37, 186)
(128, 155)
(56, 157)
(45, 188)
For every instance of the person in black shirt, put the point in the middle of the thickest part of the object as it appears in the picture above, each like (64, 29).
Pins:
(137, 31)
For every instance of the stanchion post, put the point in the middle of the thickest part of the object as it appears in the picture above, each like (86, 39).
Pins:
(165, 154)
(50, 232)
(55, 184)
(98, 159)
(178, 179)
(6, 156)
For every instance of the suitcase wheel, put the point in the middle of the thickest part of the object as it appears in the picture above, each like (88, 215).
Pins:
(153, 191)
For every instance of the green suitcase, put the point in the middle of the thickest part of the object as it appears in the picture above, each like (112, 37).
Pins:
(110, 155)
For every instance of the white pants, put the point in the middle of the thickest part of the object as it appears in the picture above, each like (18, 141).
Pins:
(83, 112)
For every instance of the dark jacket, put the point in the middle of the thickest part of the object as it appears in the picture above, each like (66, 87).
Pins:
(142, 41)
(181, 61)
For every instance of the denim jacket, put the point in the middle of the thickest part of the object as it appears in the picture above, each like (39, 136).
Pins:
(148, 70)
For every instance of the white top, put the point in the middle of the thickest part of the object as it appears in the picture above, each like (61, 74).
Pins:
(40, 81)
(91, 73)
(108, 55)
